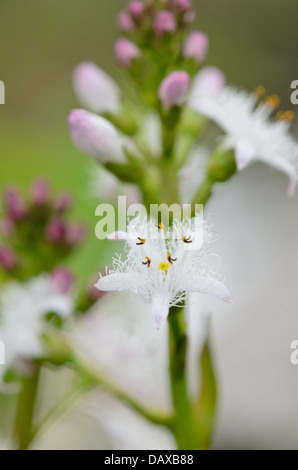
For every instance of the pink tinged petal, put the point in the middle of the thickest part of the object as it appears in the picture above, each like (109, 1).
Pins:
(126, 51)
(119, 282)
(164, 22)
(244, 154)
(290, 170)
(210, 286)
(173, 89)
(119, 235)
(207, 85)
(125, 22)
(95, 89)
(196, 46)
(160, 304)
(95, 136)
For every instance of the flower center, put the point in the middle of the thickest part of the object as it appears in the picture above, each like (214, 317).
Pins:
(164, 266)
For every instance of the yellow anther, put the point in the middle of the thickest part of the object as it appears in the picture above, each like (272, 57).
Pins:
(170, 259)
(285, 115)
(260, 91)
(186, 239)
(147, 263)
(142, 241)
(273, 101)
(161, 226)
(164, 266)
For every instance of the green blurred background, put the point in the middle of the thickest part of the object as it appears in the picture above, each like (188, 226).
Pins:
(41, 41)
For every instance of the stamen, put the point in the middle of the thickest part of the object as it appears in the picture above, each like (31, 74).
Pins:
(186, 239)
(161, 226)
(142, 241)
(260, 91)
(163, 266)
(147, 263)
(273, 101)
(285, 115)
(170, 259)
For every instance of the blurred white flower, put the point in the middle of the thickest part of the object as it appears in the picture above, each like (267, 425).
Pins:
(251, 132)
(95, 89)
(23, 308)
(193, 173)
(162, 271)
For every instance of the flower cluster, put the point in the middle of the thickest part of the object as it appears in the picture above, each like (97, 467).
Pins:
(35, 234)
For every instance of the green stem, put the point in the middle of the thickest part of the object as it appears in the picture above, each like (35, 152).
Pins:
(184, 426)
(26, 408)
(153, 415)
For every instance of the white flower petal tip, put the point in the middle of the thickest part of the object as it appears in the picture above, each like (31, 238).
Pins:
(95, 136)
(95, 89)
(244, 154)
(159, 310)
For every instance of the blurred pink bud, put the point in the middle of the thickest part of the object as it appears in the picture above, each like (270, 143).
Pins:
(208, 83)
(62, 280)
(164, 22)
(125, 22)
(63, 203)
(126, 51)
(173, 89)
(95, 136)
(95, 89)
(183, 5)
(56, 231)
(196, 46)
(7, 226)
(189, 17)
(75, 234)
(14, 205)
(136, 9)
(40, 192)
(8, 259)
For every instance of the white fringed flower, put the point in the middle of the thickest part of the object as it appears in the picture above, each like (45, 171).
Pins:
(23, 308)
(162, 268)
(251, 132)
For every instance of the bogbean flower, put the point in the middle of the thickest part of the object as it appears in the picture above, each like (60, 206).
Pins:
(173, 89)
(95, 89)
(161, 271)
(251, 131)
(95, 136)
(165, 22)
(125, 22)
(136, 9)
(196, 46)
(126, 51)
(23, 310)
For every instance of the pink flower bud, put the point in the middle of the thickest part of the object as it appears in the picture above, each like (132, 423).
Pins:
(75, 234)
(56, 231)
(95, 136)
(208, 83)
(7, 226)
(62, 280)
(40, 192)
(125, 22)
(174, 88)
(8, 259)
(189, 17)
(136, 9)
(95, 89)
(14, 205)
(126, 51)
(63, 203)
(164, 22)
(182, 5)
(196, 46)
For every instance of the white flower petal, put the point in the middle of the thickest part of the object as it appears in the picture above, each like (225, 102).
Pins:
(211, 286)
(119, 282)
(160, 304)
(244, 154)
